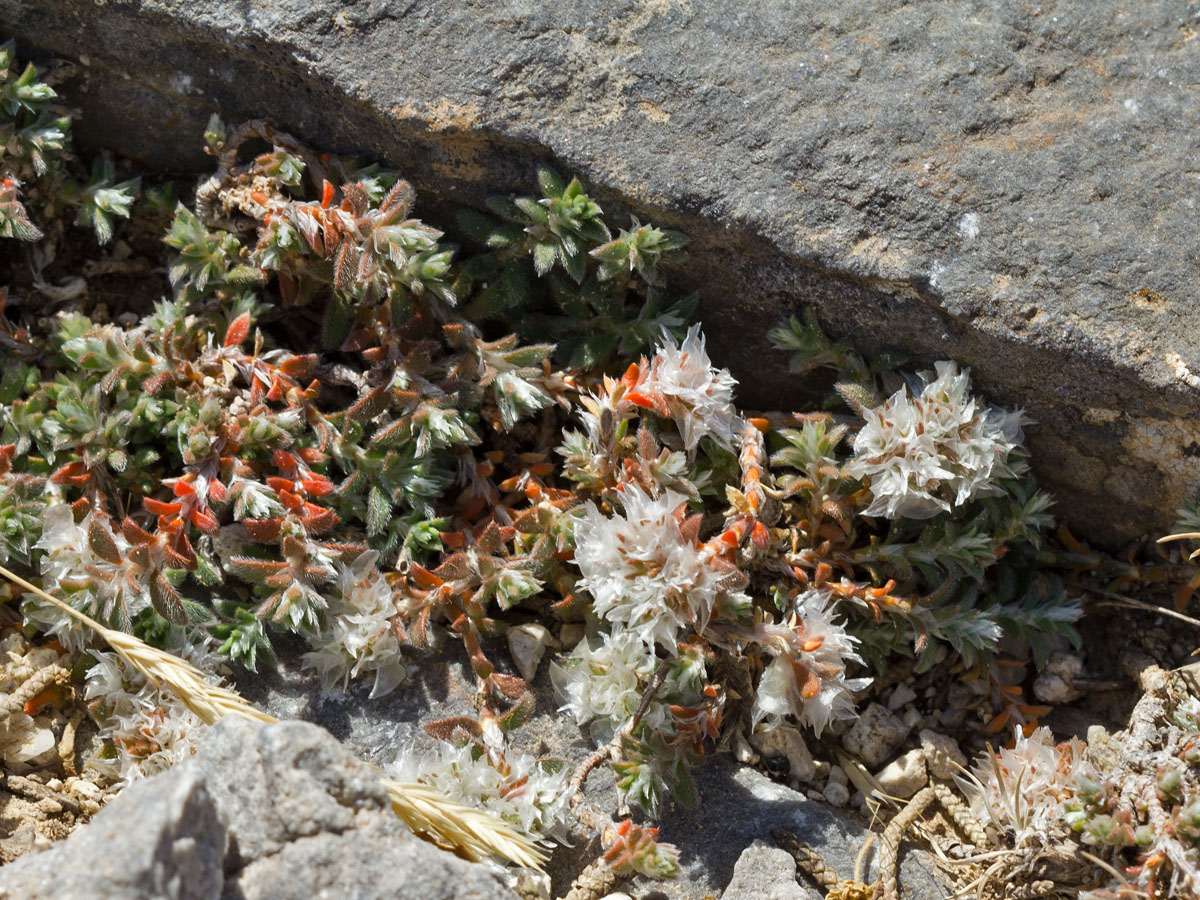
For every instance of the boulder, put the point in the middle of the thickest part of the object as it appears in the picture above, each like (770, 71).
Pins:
(765, 873)
(262, 812)
(162, 839)
(1006, 184)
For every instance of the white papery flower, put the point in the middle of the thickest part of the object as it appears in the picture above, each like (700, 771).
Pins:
(928, 453)
(807, 678)
(520, 789)
(72, 571)
(600, 681)
(642, 571)
(359, 639)
(144, 728)
(1024, 788)
(698, 396)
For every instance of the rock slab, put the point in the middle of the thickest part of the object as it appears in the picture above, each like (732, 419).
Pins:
(274, 812)
(1009, 184)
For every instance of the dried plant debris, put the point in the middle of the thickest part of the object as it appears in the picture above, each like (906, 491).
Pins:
(337, 424)
(42, 794)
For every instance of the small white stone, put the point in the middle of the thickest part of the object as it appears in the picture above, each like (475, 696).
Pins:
(786, 741)
(1056, 683)
(911, 718)
(901, 695)
(84, 788)
(528, 644)
(941, 754)
(904, 776)
(837, 775)
(26, 743)
(742, 751)
(837, 794)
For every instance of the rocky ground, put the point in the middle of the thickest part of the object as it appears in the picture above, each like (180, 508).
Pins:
(289, 808)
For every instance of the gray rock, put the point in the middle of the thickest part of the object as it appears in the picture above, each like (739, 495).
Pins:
(903, 776)
(162, 839)
(763, 872)
(305, 817)
(874, 735)
(1004, 183)
(275, 812)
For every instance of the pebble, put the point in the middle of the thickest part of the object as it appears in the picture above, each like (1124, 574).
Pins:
(905, 775)
(742, 751)
(958, 696)
(84, 788)
(875, 735)
(837, 794)
(837, 775)
(528, 644)
(49, 806)
(26, 742)
(901, 695)
(911, 718)
(570, 634)
(1056, 682)
(941, 754)
(821, 769)
(786, 741)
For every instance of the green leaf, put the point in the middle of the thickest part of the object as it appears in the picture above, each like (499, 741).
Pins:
(379, 511)
(550, 182)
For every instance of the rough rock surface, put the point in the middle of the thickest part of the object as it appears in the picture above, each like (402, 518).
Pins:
(875, 734)
(162, 840)
(765, 873)
(278, 812)
(1009, 184)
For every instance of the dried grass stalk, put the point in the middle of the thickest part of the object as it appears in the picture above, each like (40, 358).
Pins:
(469, 832)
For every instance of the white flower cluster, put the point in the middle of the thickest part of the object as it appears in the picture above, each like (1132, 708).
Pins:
(643, 572)
(518, 788)
(359, 639)
(928, 453)
(600, 682)
(71, 570)
(807, 679)
(144, 728)
(698, 396)
(1025, 787)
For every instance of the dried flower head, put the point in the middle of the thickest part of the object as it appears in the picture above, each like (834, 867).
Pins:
(359, 639)
(145, 728)
(646, 569)
(1023, 789)
(807, 678)
(929, 452)
(601, 682)
(682, 384)
(528, 793)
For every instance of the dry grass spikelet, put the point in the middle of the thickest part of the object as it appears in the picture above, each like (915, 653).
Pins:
(468, 832)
